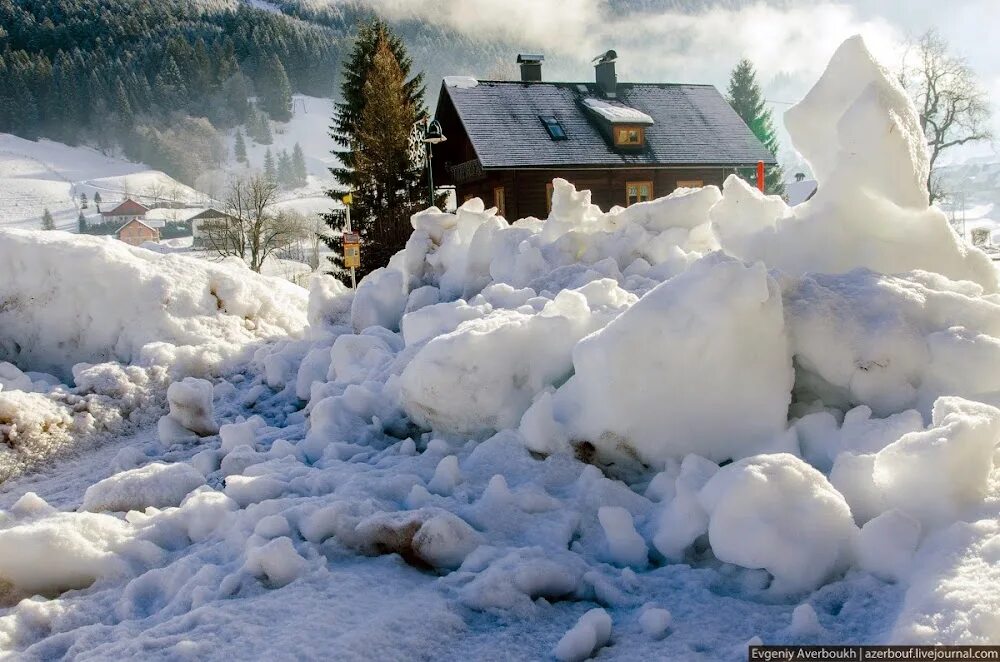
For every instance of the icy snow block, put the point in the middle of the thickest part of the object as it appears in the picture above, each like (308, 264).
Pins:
(591, 632)
(379, 300)
(159, 485)
(777, 513)
(625, 547)
(886, 545)
(937, 474)
(240, 434)
(191, 405)
(278, 562)
(700, 364)
(482, 377)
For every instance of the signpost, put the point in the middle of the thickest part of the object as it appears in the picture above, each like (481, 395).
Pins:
(351, 242)
(760, 176)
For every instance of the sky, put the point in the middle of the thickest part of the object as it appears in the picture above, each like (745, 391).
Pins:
(789, 41)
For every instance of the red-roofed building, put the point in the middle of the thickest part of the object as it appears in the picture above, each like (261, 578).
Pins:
(135, 232)
(129, 210)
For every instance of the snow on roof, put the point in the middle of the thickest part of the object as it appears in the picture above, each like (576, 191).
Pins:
(173, 214)
(135, 220)
(617, 114)
(464, 82)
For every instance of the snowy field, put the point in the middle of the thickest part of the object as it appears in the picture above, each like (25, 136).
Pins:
(662, 432)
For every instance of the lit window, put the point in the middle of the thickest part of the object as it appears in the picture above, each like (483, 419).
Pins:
(690, 183)
(638, 192)
(552, 125)
(629, 136)
(548, 197)
(499, 201)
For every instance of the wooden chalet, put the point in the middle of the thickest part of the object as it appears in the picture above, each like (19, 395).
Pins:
(127, 211)
(625, 142)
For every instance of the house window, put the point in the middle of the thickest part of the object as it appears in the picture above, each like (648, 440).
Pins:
(552, 125)
(638, 192)
(629, 136)
(548, 197)
(690, 183)
(499, 201)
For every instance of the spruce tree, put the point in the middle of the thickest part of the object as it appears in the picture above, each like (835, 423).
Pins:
(269, 169)
(300, 174)
(747, 100)
(83, 201)
(286, 176)
(240, 149)
(47, 221)
(276, 89)
(81, 224)
(265, 129)
(376, 125)
(97, 201)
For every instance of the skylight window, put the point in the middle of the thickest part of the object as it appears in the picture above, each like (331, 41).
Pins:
(552, 125)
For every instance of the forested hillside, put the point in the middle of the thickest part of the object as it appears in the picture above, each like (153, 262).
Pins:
(157, 78)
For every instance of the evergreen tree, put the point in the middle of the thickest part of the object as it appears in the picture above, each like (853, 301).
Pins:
(378, 124)
(47, 221)
(747, 100)
(265, 130)
(276, 90)
(269, 169)
(299, 172)
(286, 176)
(81, 224)
(97, 201)
(83, 201)
(240, 149)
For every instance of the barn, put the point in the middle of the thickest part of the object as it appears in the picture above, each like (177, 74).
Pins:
(625, 142)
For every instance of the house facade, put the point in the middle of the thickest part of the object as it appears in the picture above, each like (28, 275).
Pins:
(129, 210)
(135, 233)
(625, 142)
(200, 223)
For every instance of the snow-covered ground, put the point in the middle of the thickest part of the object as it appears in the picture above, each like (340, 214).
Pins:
(661, 432)
(35, 176)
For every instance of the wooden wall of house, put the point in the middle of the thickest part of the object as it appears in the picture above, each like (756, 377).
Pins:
(526, 195)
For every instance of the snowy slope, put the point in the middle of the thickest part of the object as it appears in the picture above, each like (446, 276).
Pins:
(45, 174)
(653, 433)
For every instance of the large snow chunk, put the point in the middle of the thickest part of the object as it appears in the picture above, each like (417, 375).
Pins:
(591, 632)
(379, 300)
(58, 307)
(53, 552)
(936, 474)
(158, 485)
(699, 365)
(886, 545)
(625, 546)
(191, 409)
(482, 377)
(778, 513)
(277, 561)
(861, 135)
(893, 342)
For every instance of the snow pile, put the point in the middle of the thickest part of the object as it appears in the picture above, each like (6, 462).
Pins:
(655, 410)
(68, 299)
(617, 113)
(158, 485)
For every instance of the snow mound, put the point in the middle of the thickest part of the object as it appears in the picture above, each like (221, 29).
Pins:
(591, 632)
(778, 513)
(67, 299)
(157, 484)
(673, 375)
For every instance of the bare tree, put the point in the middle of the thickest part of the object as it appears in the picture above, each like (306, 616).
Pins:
(954, 109)
(251, 230)
(154, 192)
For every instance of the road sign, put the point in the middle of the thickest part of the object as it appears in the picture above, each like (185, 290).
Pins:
(352, 250)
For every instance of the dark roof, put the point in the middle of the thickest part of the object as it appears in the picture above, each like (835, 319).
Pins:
(693, 125)
(127, 208)
(211, 212)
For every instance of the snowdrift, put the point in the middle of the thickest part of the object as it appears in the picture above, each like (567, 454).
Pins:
(718, 417)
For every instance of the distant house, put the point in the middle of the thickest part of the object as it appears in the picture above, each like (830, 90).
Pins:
(127, 211)
(135, 232)
(625, 142)
(201, 220)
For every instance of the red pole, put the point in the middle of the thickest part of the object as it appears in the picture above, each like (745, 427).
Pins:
(760, 176)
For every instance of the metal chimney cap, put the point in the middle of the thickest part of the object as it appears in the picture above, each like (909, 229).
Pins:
(609, 56)
(529, 58)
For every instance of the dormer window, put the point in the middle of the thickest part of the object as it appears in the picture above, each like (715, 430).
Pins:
(629, 136)
(552, 125)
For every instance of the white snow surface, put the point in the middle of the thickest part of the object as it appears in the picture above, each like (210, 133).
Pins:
(617, 113)
(651, 433)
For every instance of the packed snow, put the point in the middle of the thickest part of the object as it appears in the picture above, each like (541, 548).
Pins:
(617, 113)
(659, 432)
